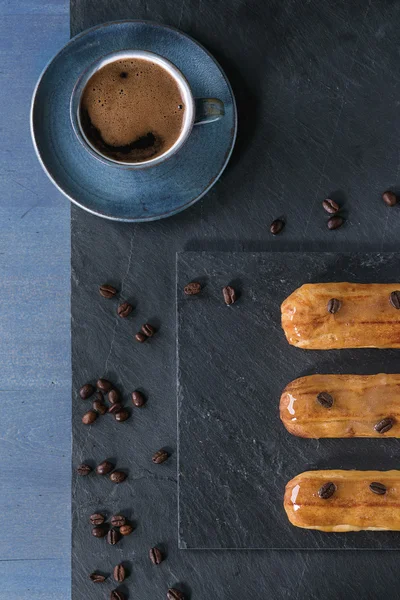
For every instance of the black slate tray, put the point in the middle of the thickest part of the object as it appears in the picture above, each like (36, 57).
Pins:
(235, 456)
(317, 94)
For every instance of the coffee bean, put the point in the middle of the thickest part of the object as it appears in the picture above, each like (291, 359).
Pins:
(98, 397)
(126, 529)
(148, 330)
(99, 407)
(325, 399)
(97, 519)
(124, 310)
(395, 299)
(155, 555)
(107, 291)
(277, 226)
(118, 520)
(160, 457)
(384, 425)
(389, 198)
(327, 490)
(89, 417)
(140, 337)
(118, 476)
(84, 470)
(114, 408)
(113, 537)
(99, 532)
(117, 595)
(119, 573)
(330, 206)
(334, 305)
(104, 468)
(192, 289)
(174, 594)
(113, 396)
(138, 399)
(86, 391)
(121, 415)
(377, 488)
(97, 578)
(104, 385)
(229, 295)
(335, 222)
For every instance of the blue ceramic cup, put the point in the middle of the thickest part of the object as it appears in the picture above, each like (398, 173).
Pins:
(198, 111)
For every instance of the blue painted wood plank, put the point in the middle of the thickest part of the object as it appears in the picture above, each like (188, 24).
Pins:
(35, 580)
(35, 473)
(35, 374)
(49, 7)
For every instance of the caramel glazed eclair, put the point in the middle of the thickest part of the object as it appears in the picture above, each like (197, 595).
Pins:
(344, 500)
(324, 316)
(342, 406)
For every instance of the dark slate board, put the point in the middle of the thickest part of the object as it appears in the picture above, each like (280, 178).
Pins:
(235, 456)
(317, 95)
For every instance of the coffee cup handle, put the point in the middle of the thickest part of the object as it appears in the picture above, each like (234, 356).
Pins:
(208, 110)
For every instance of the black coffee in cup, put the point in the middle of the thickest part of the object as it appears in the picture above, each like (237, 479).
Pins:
(132, 110)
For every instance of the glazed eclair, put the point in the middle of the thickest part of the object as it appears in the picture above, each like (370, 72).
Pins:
(324, 316)
(344, 500)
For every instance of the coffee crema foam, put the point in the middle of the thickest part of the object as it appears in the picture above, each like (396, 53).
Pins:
(132, 110)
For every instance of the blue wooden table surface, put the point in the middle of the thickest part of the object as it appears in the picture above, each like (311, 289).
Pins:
(35, 374)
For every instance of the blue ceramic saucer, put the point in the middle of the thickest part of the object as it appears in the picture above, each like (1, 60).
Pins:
(121, 194)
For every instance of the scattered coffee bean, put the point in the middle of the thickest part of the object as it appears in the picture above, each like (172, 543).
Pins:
(330, 206)
(160, 457)
(119, 573)
(126, 529)
(389, 198)
(334, 305)
(114, 408)
(104, 385)
(121, 415)
(84, 470)
(148, 330)
(104, 468)
(99, 407)
(113, 396)
(113, 537)
(117, 595)
(327, 490)
(192, 289)
(98, 397)
(107, 291)
(395, 299)
(140, 337)
(124, 310)
(276, 226)
(325, 399)
(229, 295)
(97, 519)
(377, 488)
(89, 417)
(384, 425)
(118, 520)
(86, 391)
(97, 578)
(155, 555)
(335, 222)
(99, 532)
(138, 399)
(118, 476)
(174, 594)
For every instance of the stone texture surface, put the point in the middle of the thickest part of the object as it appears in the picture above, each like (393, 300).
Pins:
(317, 94)
(235, 456)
